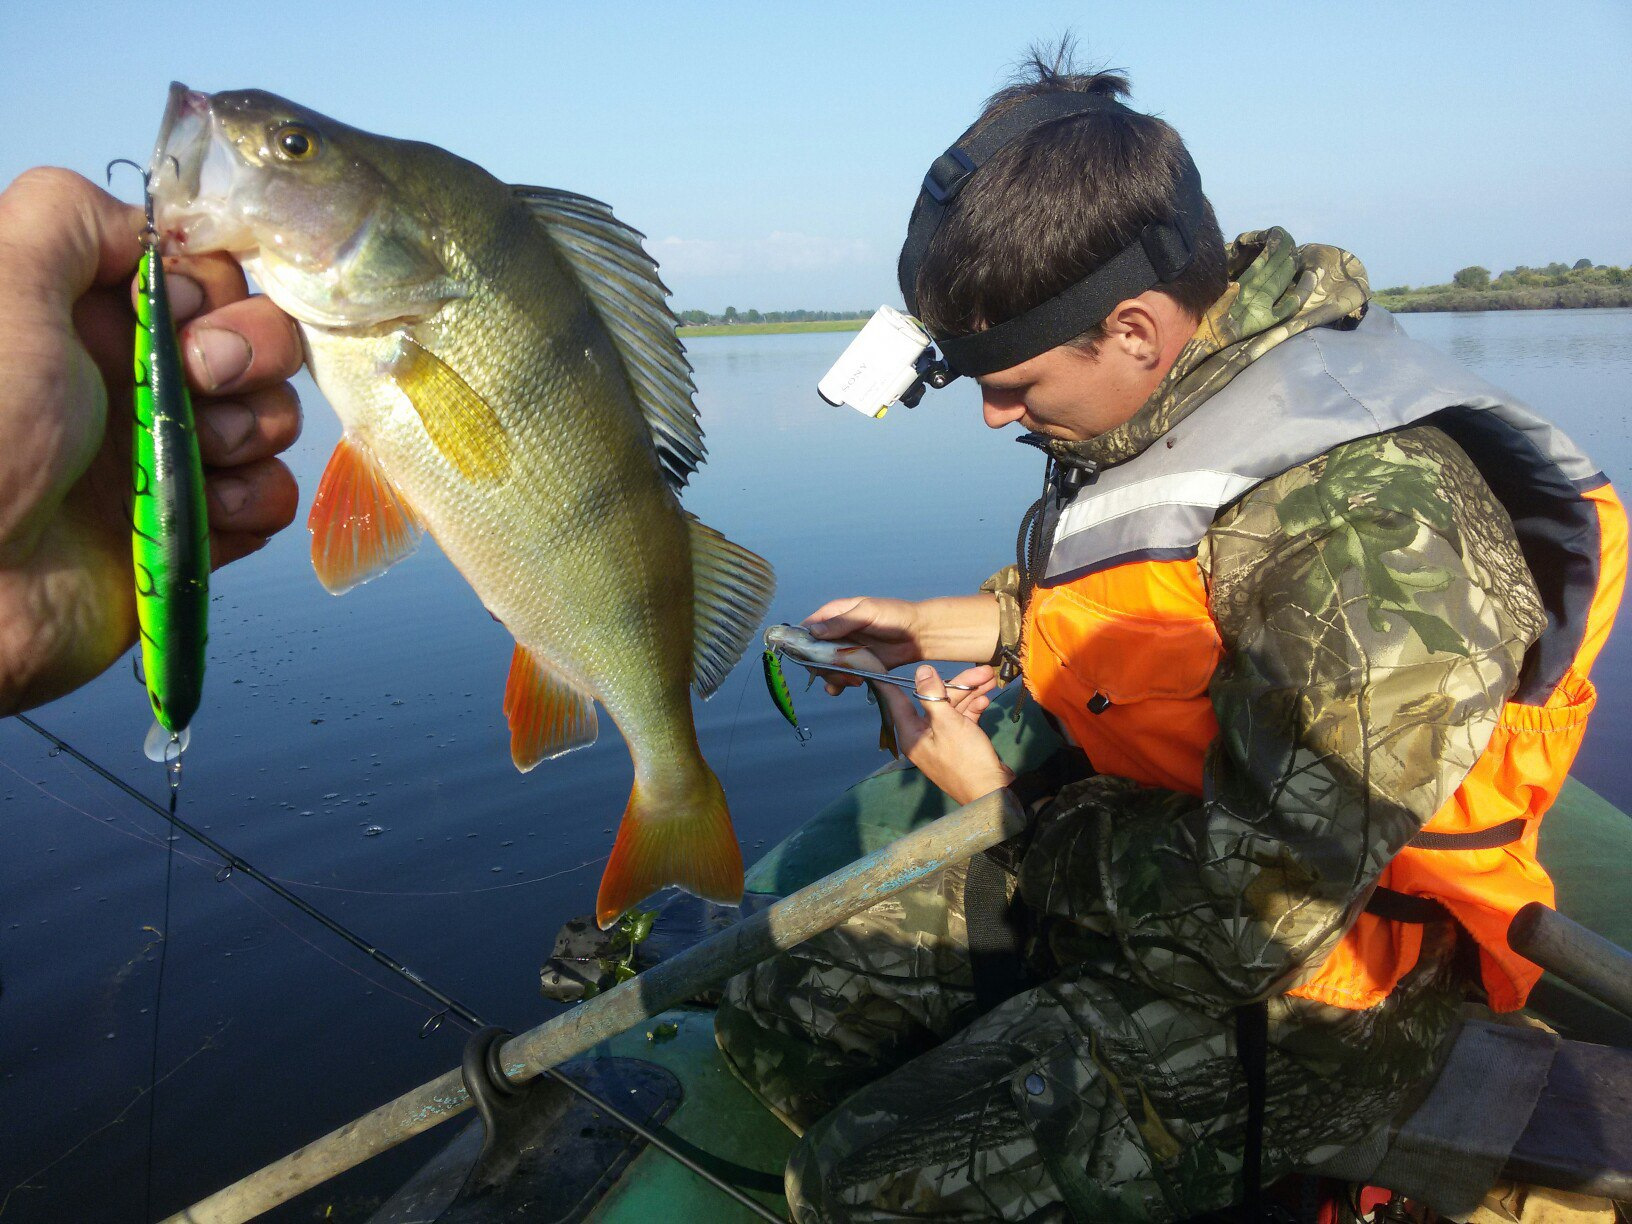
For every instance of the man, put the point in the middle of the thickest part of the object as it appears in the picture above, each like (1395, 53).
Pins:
(1318, 609)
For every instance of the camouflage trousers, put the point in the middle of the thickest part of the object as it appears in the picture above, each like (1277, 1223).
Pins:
(1088, 1096)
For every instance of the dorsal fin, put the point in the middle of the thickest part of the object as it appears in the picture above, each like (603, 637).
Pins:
(622, 283)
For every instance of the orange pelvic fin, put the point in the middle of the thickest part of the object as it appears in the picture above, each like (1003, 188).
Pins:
(547, 715)
(361, 525)
(689, 843)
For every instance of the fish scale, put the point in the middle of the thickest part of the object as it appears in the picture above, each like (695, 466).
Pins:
(508, 377)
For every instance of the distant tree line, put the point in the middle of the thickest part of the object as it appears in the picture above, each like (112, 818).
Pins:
(1555, 287)
(701, 318)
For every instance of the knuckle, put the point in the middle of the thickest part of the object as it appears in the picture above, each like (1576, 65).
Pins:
(54, 179)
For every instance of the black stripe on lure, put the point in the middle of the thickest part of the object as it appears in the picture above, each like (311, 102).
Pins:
(170, 528)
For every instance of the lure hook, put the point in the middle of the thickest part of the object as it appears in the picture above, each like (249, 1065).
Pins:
(147, 178)
(147, 182)
(125, 161)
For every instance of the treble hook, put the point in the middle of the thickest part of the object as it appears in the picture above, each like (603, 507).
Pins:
(147, 178)
(147, 182)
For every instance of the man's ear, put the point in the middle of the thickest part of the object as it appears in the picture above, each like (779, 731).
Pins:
(1136, 330)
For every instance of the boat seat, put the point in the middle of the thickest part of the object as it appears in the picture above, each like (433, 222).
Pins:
(1511, 1102)
(1580, 1136)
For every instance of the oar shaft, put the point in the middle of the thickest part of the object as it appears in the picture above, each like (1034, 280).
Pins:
(954, 838)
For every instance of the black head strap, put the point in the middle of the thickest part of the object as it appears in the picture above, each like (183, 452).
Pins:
(1162, 253)
(951, 170)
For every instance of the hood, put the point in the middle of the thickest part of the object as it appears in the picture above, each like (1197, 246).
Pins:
(1277, 289)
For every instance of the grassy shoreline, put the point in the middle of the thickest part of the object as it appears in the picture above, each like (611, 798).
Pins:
(1563, 297)
(690, 331)
(1436, 299)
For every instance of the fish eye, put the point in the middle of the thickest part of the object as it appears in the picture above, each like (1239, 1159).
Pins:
(296, 142)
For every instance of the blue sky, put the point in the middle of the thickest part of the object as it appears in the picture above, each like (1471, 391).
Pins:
(771, 151)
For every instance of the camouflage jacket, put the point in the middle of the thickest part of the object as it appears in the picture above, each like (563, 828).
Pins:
(1341, 737)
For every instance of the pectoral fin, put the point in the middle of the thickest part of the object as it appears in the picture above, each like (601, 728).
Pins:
(462, 425)
(361, 525)
(886, 725)
(547, 715)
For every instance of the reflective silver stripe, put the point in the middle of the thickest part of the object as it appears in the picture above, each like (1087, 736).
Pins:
(1204, 488)
(1161, 514)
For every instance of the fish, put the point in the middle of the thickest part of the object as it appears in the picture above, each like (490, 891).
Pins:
(506, 369)
(170, 527)
(815, 653)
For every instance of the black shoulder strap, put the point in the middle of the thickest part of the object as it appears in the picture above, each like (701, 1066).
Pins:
(995, 953)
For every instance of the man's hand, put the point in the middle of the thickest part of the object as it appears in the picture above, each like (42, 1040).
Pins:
(945, 741)
(68, 251)
(962, 628)
(887, 627)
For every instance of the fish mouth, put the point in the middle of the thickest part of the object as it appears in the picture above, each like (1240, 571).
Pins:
(191, 176)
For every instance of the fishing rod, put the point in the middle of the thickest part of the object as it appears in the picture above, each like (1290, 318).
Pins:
(450, 1005)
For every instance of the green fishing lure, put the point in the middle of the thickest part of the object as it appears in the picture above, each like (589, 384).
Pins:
(777, 683)
(170, 530)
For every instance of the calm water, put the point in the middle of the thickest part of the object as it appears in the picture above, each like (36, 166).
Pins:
(356, 748)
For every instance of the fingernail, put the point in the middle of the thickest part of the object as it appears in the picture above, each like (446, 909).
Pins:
(817, 628)
(222, 356)
(186, 295)
(229, 425)
(230, 493)
(924, 672)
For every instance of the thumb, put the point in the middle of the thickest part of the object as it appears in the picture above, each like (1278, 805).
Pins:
(900, 706)
(931, 691)
(65, 234)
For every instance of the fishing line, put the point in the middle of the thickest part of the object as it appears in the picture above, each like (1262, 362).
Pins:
(731, 739)
(158, 1004)
(209, 1044)
(327, 955)
(449, 1004)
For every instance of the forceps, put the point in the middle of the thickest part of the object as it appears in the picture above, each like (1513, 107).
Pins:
(880, 677)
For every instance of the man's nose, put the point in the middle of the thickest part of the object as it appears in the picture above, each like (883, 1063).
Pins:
(999, 413)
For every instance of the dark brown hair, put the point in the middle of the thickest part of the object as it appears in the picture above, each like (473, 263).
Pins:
(1056, 204)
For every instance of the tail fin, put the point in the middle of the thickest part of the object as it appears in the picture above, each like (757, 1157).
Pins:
(684, 839)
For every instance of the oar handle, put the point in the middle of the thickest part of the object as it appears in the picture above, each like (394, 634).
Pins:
(1568, 950)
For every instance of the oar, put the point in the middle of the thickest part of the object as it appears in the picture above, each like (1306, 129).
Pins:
(952, 839)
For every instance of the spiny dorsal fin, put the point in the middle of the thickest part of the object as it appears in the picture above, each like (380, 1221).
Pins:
(732, 588)
(623, 286)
